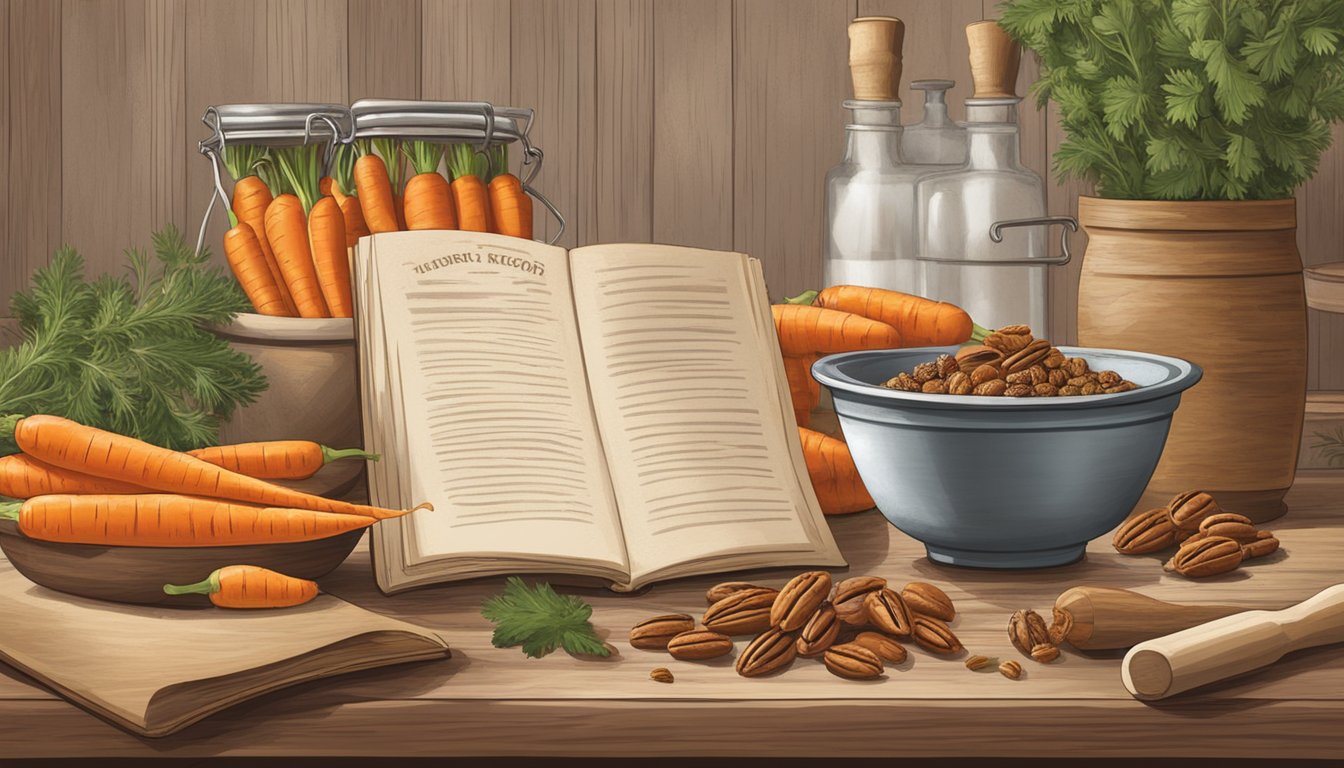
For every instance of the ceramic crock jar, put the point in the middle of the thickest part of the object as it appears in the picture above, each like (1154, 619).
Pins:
(1218, 283)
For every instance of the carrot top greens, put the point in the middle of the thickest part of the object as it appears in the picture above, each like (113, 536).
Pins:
(129, 353)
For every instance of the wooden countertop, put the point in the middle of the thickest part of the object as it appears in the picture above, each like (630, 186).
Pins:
(488, 701)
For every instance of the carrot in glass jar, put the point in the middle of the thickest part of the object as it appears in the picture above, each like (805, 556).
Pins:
(469, 195)
(243, 252)
(510, 205)
(331, 261)
(428, 203)
(374, 187)
(251, 196)
(249, 586)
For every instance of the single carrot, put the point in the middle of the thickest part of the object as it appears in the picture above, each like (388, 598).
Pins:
(249, 586)
(512, 216)
(834, 477)
(804, 390)
(343, 189)
(170, 520)
(375, 193)
(251, 198)
(23, 477)
(68, 444)
(428, 203)
(922, 322)
(289, 238)
(324, 186)
(243, 252)
(469, 194)
(326, 234)
(272, 460)
(806, 330)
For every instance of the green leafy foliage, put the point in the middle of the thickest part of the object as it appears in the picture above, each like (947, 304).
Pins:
(541, 620)
(1188, 99)
(1330, 446)
(129, 354)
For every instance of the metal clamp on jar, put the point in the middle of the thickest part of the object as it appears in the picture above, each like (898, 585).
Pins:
(983, 226)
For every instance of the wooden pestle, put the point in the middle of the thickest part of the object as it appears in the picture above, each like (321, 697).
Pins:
(1106, 617)
(875, 57)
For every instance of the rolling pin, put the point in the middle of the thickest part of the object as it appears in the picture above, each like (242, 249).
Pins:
(1232, 645)
(1106, 617)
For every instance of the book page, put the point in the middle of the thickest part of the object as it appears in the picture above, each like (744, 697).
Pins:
(686, 392)
(489, 400)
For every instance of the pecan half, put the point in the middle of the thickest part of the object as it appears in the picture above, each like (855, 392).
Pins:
(972, 357)
(699, 644)
(991, 388)
(1028, 356)
(1206, 556)
(984, 373)
(848, 598)
(885, 647)
(1044, 653)
(888, 612)
(799, 599)
(1008, 343)
(1011, 670)
(1189, 509)
(959, 384)
(1026, 630)
(653, 633)
(977, 663)
(819, 633)
(661, 675)
(1260, 547)
(770, 651)
(934, 636)
(852, 661)
(1145, 532)
(719, 591)
(927, 600)
(741, 613)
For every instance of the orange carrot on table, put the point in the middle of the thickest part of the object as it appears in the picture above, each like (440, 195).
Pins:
(921, 322)
(274, 459)
(326, 234)
(374, 188)
(509, 204)
(243, 252)
(804, 390)
(469, 194)
(70, 445)
(170, 520)
(249, 586)
(428, 203)
(23, 477)
(805, 330)
(834, 477)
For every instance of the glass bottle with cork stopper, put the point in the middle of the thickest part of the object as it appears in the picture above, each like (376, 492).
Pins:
(936, 139)
(983, 226)
(870, 195)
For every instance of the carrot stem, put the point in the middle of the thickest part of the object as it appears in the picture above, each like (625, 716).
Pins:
(806, 297)
(302, 169)
(979, 332)
(206, 586)
(334, 454)
(9, 510)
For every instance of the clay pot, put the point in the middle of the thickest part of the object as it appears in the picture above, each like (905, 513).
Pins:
(1218, 283)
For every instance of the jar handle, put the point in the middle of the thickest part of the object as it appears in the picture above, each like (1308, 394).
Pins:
(1069, 223)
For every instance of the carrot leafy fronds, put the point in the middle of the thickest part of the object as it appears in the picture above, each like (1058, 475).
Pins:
(301, 168)
(540, 620)
(424, 156)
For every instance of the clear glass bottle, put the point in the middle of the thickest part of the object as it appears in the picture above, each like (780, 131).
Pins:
(870, 235)
(983, 226)
(936, 139)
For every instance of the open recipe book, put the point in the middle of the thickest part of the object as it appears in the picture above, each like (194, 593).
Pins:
(617, 412)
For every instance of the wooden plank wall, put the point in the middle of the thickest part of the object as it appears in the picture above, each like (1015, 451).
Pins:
(701, 122)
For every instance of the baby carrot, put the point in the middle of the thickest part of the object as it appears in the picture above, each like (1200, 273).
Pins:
(249, 586)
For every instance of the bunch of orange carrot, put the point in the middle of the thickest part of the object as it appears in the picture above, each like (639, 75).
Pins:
(293, 225)
(848, 318)
(83, 485)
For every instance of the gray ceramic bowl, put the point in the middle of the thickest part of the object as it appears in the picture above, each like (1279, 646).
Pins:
(995, 482)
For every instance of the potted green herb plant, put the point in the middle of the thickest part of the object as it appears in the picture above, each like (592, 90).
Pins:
(1196, 120)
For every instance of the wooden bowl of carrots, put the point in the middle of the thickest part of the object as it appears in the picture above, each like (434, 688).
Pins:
(137, 574)
(313, 391)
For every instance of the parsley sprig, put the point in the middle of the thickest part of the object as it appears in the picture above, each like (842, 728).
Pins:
(540, 620)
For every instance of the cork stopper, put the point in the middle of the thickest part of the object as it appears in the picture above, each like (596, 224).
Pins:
(875, 57)
(994, 60)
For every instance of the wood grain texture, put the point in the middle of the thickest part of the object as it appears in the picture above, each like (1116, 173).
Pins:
(693, 123)
(624, 124)
(788, 130)
(1061, 199)
(10, 279)
(384, 57)
(123, 98)
(500, 702)
(32, 216)
(548, 63)
(465, 51)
